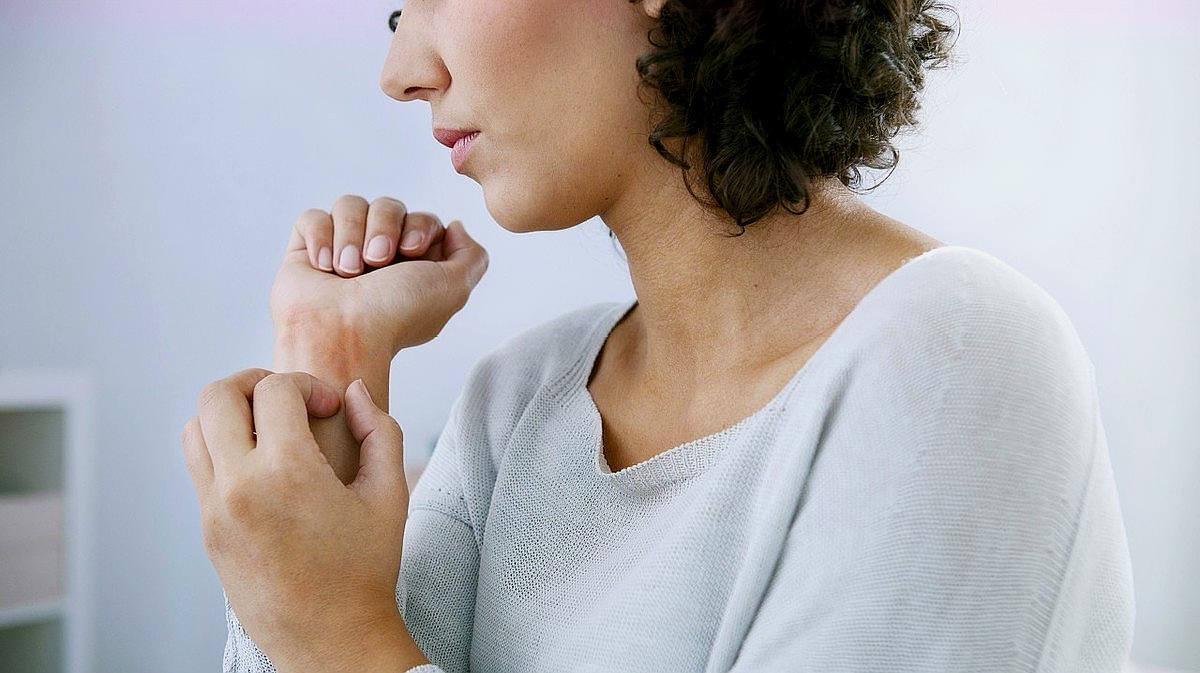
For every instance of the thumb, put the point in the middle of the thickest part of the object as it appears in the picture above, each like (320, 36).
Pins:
(381, 457)
(465, 258)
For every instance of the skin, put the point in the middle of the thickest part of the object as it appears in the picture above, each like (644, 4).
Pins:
(552, 89)
(577, 149)
(308, 563)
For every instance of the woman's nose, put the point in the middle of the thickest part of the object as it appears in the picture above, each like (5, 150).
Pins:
(412, 70)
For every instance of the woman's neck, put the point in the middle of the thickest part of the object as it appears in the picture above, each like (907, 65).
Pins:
(708, 300)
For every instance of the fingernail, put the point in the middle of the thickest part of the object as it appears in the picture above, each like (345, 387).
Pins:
(350, 260)
(411, 239)
(363, 384)
(325, 259)
(377, 249)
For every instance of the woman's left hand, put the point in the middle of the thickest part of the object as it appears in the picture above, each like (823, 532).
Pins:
(309, 565)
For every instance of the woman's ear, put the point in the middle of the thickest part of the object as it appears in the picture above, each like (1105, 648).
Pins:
(653, 7)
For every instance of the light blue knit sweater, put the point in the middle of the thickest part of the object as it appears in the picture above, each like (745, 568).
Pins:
(931, 491)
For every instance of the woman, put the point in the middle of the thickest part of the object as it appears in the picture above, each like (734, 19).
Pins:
(817, 440)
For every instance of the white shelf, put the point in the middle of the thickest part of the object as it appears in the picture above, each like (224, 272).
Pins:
(29, 614)
(45, 460)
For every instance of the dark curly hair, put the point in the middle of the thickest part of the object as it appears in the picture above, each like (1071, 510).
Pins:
(768, 95)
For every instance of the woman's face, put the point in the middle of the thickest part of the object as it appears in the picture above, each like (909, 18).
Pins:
(552, 88)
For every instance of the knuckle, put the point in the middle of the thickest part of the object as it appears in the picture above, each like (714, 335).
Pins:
(350, 200)
(349, 203)
(388, 203)
(350, 222)
(212, 393)
(190, 431)
(272, 383)
(425, 220)
(253, 373)
(313, 221)
(239, 501)
(393, 426)
(288, 472)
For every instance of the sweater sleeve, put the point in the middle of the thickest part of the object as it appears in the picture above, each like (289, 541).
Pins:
(440, 565)
(435, 591)
(970, 523)
(241, 652)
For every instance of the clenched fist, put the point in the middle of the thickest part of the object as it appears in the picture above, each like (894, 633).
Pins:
(391, 278)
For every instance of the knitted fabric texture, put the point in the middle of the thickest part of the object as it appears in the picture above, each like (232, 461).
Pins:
(931, 491)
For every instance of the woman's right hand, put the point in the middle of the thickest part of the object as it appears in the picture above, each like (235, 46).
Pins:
(329, 278)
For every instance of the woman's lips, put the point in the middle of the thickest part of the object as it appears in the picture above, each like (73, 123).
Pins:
(462, 146)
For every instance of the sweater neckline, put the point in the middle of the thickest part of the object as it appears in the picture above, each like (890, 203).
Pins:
(693, 456)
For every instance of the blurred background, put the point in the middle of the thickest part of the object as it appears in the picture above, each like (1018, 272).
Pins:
(153, 157)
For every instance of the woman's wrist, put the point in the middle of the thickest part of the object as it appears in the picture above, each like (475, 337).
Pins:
(392, 650)
(334, 352)
(337, 354)
(384, 646)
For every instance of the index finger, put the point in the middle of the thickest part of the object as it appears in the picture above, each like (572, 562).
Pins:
(283, 403)
(225, 417)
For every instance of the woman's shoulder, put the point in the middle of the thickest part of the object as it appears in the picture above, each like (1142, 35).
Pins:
(965, 341)
(961, 306)
(980, 350)
(1006, 317)
(977, 389)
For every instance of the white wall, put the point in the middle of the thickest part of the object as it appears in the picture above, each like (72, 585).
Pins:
(153, 159)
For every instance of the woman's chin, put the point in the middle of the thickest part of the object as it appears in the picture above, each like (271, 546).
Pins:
(510, 211)
(523, 205)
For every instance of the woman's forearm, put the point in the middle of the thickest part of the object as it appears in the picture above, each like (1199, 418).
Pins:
(336, 354)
